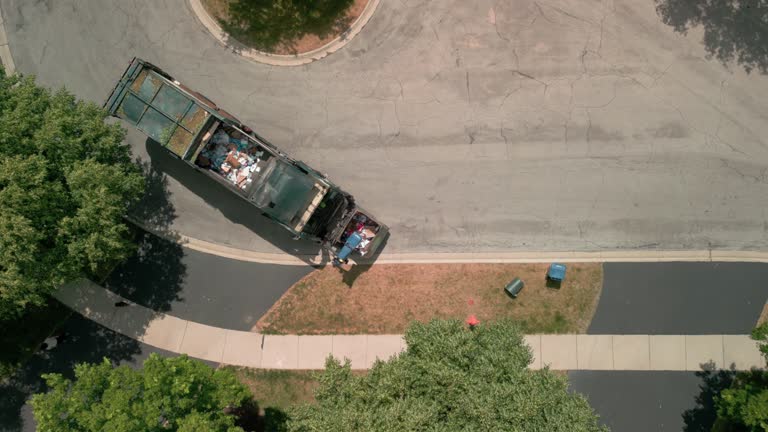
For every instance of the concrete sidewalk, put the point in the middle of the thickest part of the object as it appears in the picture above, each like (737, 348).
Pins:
(559, 352)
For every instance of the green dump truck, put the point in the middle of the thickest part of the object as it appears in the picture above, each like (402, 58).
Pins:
(194, 129)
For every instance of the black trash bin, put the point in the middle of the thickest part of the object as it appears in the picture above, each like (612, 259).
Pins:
(513, 288)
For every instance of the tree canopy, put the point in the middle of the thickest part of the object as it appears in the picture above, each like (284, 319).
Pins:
(760, 335)
(744, 406)
(167, 394)
(66, 180)
(267, 24)
(449, 379)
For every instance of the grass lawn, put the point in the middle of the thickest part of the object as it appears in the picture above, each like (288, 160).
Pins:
(383, 299)
(274, 392)
(279, 34)
(277, 389)
(20, 338)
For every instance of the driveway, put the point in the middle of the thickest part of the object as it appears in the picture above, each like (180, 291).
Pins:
(680, 298)
(470, 126)
(199, 287)
(651, 401)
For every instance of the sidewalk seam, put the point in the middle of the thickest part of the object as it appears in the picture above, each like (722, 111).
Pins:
(183, 336)
(722, 345)
(224, 348)
(576, 341)
(261, 352)
(650, 366)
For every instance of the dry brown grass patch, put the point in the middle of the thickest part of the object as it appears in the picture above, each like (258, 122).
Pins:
(384, 299)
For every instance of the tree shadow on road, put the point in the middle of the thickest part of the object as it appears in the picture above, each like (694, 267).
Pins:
(734, 30)
(85, 341)
(155, 207)
(154, 275)
(703, 417)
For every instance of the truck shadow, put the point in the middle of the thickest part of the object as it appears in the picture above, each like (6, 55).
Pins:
(234, 208)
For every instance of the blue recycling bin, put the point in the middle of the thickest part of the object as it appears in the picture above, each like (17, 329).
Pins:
(352, 242)
(556, 272)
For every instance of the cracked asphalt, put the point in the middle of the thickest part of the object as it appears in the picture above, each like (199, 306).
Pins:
(465, 126)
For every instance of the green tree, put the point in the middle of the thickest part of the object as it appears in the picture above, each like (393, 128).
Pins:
(760, 335)
(449, 379)
(744, 406)
(167, 394)
(66, 180)
(267, 24)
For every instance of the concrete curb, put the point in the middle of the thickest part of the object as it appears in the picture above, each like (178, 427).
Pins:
(467, 257)
(227, 251)
(239, 348)
(5, 50)
(221, 36)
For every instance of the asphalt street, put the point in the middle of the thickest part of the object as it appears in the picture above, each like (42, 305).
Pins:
(680, 298)
(86, 342)
(469, 126)
(651, 401)
(200, 287)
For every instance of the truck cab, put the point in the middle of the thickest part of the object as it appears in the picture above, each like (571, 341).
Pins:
(194, 129)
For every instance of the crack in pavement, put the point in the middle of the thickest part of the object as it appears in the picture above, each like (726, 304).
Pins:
(470, 82)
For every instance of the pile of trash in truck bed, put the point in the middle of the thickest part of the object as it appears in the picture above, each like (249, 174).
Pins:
(365, 228)
(234, 157)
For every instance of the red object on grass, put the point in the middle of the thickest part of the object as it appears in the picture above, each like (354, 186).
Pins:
(472, 321)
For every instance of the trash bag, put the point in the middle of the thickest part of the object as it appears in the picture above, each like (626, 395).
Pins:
(220, 138)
